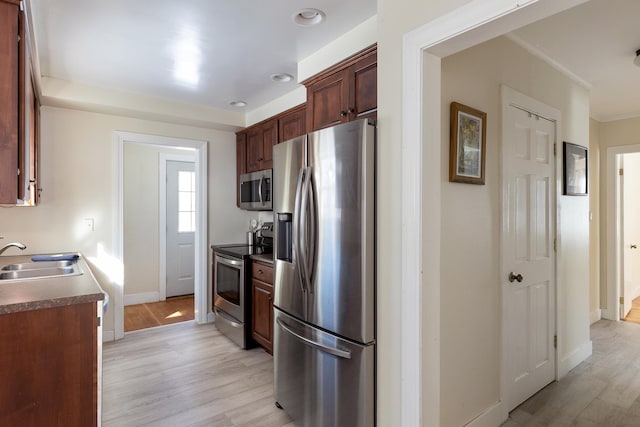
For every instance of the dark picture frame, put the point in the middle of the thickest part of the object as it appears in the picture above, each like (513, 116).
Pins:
(467, 144)
(576, 169)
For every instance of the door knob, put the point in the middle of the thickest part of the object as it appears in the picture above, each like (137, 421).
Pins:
(513, 277)
(634, 246)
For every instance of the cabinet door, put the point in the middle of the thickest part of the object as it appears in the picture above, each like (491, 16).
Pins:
(262, 318)
(9, 52)
(292, 124)
(254, 148)
(328, 101)
(364, 88)
(241, 161)
(269, 131)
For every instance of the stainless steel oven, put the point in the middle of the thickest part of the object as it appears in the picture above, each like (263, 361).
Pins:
(229, 304)
(231, 287)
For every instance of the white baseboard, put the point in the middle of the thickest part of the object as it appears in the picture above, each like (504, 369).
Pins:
(574, 358)
(141, 298)
(594, 316)
(491, 417)
(108, 336)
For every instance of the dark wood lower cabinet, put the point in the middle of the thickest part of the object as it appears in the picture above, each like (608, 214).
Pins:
(262, 305)
(49, 367)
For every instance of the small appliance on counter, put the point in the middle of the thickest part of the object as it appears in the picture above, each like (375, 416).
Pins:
(231, 295)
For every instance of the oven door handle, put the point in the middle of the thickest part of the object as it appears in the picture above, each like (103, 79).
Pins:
(226, 317)
(228, 261)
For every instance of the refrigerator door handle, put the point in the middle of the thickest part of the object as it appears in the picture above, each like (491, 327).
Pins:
(296, 229)
(303, 231)
(312, 231)
(345, 354)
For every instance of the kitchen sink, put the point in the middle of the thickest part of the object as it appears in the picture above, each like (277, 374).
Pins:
(37, 265)
(39, 270)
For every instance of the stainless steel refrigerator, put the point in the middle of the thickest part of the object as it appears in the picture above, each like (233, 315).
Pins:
(324, 306)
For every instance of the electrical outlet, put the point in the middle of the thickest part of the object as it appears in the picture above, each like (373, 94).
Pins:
(88, 224)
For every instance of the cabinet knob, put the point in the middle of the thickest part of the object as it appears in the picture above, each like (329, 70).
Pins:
(351, 111)
(343, 113)
(260, 272)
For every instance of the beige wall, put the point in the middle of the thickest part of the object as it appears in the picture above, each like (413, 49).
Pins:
(77, 170)
(142, 217)
(471, 283)
(611, 134)
(395, 18)
(594, 225)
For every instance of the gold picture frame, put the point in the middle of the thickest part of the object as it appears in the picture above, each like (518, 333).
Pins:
(467, 144)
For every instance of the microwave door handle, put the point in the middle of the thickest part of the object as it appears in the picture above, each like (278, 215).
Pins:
(260, 189)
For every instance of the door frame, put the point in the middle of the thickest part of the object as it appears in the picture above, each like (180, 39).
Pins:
(614, 237)
(511, 97)
(162, 223)
(422, 50)
(201, 161)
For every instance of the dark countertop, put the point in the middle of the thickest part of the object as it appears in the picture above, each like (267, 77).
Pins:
(35, 294)
(268, 258)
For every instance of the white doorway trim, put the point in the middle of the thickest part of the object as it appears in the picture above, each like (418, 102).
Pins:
(162, 226)
(201, 159)
(423, 48)
(614, 238)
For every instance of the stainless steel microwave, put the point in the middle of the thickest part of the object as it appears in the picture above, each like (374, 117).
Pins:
(255, 191)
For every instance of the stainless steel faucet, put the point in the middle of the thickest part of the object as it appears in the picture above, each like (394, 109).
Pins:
(15, 244)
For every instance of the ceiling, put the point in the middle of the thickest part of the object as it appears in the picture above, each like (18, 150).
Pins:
(596, 42)
(202, 52)
(211, 52)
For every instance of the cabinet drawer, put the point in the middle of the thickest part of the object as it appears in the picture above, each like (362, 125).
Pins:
(262, 272)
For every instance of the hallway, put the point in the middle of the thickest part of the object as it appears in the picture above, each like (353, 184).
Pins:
(604, 390)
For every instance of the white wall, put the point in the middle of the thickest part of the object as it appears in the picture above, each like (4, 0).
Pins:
(77, 166)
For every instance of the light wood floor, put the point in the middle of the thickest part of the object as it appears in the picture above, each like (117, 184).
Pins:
(634, 313)
(187, 375)
(604, 390)
(149, 315)
(190, 375)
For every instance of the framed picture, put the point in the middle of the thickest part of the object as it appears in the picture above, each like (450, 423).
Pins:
(467, 145)
(575, 169)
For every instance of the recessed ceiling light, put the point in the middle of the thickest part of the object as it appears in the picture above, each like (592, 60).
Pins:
(307, 17)
(238, 104)
(281, 77)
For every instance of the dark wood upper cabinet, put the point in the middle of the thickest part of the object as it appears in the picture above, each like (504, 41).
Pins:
(260, 141)
(9, 94)
(292, 123)
(344, 92)
(19, 110)
(241, 161)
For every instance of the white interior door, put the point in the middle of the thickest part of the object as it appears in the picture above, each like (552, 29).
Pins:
(528, 254)
(630, 230)
(181, 225)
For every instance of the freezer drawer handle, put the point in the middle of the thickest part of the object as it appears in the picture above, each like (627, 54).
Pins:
(331, 350)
